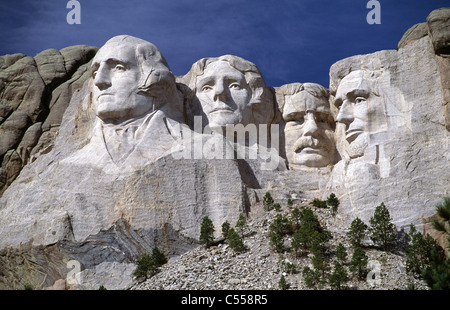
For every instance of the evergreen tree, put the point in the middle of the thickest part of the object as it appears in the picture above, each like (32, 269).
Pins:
(311, 276)
(145, 267)
(426, 260)
(282, 284)
(383, 232)
(281, 225)
(318, 203)
(225, 228)
(437, 273)
(278, 229)
(158, 257)
(333, 202)
(309, 230)
(357, 232)
(207, 232)
(319, 260)
(341, 253)
(295, 218)
(358, 263)
(235, 241)
(277, 242)
(338, 277)
(441, 221)
(241, 225)
(304, 234)
(268, 201)
(290, 202)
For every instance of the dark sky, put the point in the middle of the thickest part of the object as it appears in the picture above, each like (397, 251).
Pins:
(289, 40)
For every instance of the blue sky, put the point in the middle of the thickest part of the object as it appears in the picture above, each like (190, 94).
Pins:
(289, 40)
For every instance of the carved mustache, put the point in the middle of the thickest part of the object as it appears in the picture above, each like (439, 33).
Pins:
(308, 141)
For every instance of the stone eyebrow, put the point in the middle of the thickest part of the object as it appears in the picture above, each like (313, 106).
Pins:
(352, 94)
(110, 61)
(358, 92)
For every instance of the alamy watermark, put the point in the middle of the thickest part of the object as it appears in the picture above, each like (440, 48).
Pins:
(374, 15)
(74, 15)
(74, 275)
(374, 275)
(234, 141)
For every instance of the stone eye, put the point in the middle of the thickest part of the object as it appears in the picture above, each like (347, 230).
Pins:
(360, 99)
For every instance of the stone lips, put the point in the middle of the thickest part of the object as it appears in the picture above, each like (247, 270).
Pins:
(105, 216)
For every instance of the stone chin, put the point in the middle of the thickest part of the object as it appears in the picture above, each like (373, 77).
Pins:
(106, 107)
(358, 145)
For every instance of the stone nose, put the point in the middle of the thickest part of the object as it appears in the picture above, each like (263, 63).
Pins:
(220, 93)
(345, 114)
(102, 79)
(310, 127)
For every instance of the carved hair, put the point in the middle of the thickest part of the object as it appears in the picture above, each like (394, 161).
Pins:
(313, 89)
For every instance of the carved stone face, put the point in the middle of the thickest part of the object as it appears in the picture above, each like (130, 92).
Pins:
(359, 110)
(116, 76)
(309, 131)
(224, 94)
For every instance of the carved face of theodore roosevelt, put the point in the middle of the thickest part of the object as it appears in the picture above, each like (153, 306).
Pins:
(309, 126)
(120, 70)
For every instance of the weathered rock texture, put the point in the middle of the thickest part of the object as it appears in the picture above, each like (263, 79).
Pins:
(65, 205)
(34, 93)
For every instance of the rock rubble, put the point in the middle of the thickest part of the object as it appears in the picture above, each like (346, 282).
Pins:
(259, 267)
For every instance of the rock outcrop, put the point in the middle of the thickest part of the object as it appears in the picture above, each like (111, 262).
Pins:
(34, 93)
(103, 157)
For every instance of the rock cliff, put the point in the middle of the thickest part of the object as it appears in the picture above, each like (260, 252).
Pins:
(84, 180)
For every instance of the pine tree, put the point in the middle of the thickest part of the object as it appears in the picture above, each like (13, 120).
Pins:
(268, 201)
(309, 230)
(418, 251)
(241, 225)
(338, 277)
(341, 253)
(207, 232)
(282, 284)
(145, 267)
(383, 232)
(277, 242)
(296, 217)
(311, 276)
(304, 234)
(278, 229)
(357, 232)
(158, 257)
(333, 202)
(437, 274)
(225, 228)
(441, 220)
(319, 260)
(235, 241)
(358, 263)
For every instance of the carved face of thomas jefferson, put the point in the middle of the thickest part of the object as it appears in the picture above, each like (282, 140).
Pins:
(224, 94)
